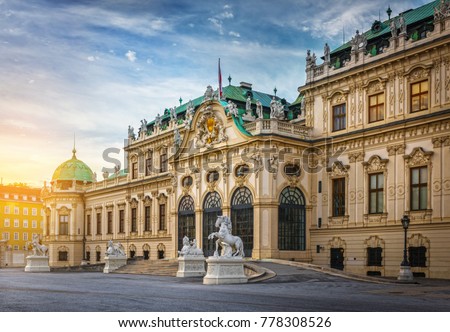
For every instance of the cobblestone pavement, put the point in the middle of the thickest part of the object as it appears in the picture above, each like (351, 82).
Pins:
(293, 289)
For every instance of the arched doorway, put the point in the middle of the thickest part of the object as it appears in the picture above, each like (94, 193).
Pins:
(186, 220)
(291, 220)
(242, 217)
(212, 207)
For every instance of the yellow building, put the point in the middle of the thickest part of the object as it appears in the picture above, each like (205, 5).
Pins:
(20, 219)
(326, 179)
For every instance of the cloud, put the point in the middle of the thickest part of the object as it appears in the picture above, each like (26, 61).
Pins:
(131, 56)
(234, 34)
(226, 15)
(217, 24)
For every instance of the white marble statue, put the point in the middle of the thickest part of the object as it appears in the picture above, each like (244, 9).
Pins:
(402, 24)
(276, 109)
(177, 137)
(226, 240)
(232, 108)
(209, 93)
(158, 121)
(190, 248)
(38, 249)
(173, 113)
(115, 249)
(259, 109)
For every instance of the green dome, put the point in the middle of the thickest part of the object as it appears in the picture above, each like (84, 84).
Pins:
(73, 169)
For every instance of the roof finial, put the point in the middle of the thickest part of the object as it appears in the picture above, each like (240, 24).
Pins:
(229, 79)
(275, 91)
(389, 12)
(74, 150)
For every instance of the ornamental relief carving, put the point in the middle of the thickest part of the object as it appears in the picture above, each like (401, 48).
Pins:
(338, 169)
(210, 130)
(338, 98)
(374, 242)
(336, 242)
(375, 164)
(374, 87)
(418, 157)
(375, 218)
(418, 74)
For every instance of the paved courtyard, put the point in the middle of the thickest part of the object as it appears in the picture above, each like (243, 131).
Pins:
(293, 289)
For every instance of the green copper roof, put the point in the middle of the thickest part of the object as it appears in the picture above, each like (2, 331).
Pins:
(73, 169)
(412, 16)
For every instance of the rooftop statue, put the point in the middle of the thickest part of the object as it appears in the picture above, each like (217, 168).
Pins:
(259, 109)
(158, 121)
(276, 109)
(402, 24)
(232, 108)
(131, 132)
(226, 240)
(209, 93)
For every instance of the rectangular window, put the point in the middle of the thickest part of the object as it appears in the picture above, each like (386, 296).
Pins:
(147, 226)
(6, 223)
(99, 223)
(33, 223)
(7, 210)
(33, 198)
(6, 195)
(25, 223)
(98, 256)
(163, 161)
(376, 107)
(134, 220)
(148, 163)
(374, 256)
(34, 212)
(64, 225)
(16, 196)
(24, 197)
(25, 236)
(62, 256)
(5, 236)
(419, 96)
(16, 210)
(16, 222)
(162, 217)
(134, 170)
(110, 222)
(121, 221)
(376, 193)
(419, 192)
(25, 211)
(417, 256)
(16, 236)
(338, 197)
(88, 225)
(88, 256)
(339, 117)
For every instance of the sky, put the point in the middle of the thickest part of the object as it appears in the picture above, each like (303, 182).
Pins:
(91, 68)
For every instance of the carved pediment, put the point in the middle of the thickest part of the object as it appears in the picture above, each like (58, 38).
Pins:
(418, 157)
(338, 169)
(375, 164)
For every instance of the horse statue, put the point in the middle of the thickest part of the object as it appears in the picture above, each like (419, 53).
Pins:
(115, 249)
(38, 249)
(226, 240)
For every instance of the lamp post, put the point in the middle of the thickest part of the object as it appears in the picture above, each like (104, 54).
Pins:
(405, 270)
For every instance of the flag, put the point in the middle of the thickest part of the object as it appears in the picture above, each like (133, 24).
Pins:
(220, 82)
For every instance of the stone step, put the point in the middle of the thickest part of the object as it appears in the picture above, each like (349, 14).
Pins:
(150, 267)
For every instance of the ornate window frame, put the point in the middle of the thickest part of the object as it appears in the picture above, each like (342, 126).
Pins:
(374, 88)
(415, 75)
(418, 158)
(375, 165)
(418, 240)
(64, 212)
(375, 241)
(336, 171)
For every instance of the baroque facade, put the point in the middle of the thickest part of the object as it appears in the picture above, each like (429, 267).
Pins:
(325, 179)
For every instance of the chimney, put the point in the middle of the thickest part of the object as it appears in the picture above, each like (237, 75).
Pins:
(246, 85)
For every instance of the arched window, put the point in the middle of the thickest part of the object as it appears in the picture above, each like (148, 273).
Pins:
(242, 217)
(186, 220)
(291, 220)
(212, 207)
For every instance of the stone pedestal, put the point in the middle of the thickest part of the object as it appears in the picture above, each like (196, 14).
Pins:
(225, 271)
(191, 266)
(405, 274)
(113, 262)
(37, 264)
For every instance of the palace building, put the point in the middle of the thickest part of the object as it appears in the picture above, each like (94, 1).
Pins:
(325, 179)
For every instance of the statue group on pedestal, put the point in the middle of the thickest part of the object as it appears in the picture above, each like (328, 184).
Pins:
(232, 246)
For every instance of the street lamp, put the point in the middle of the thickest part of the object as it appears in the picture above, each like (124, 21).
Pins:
(405, 270)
